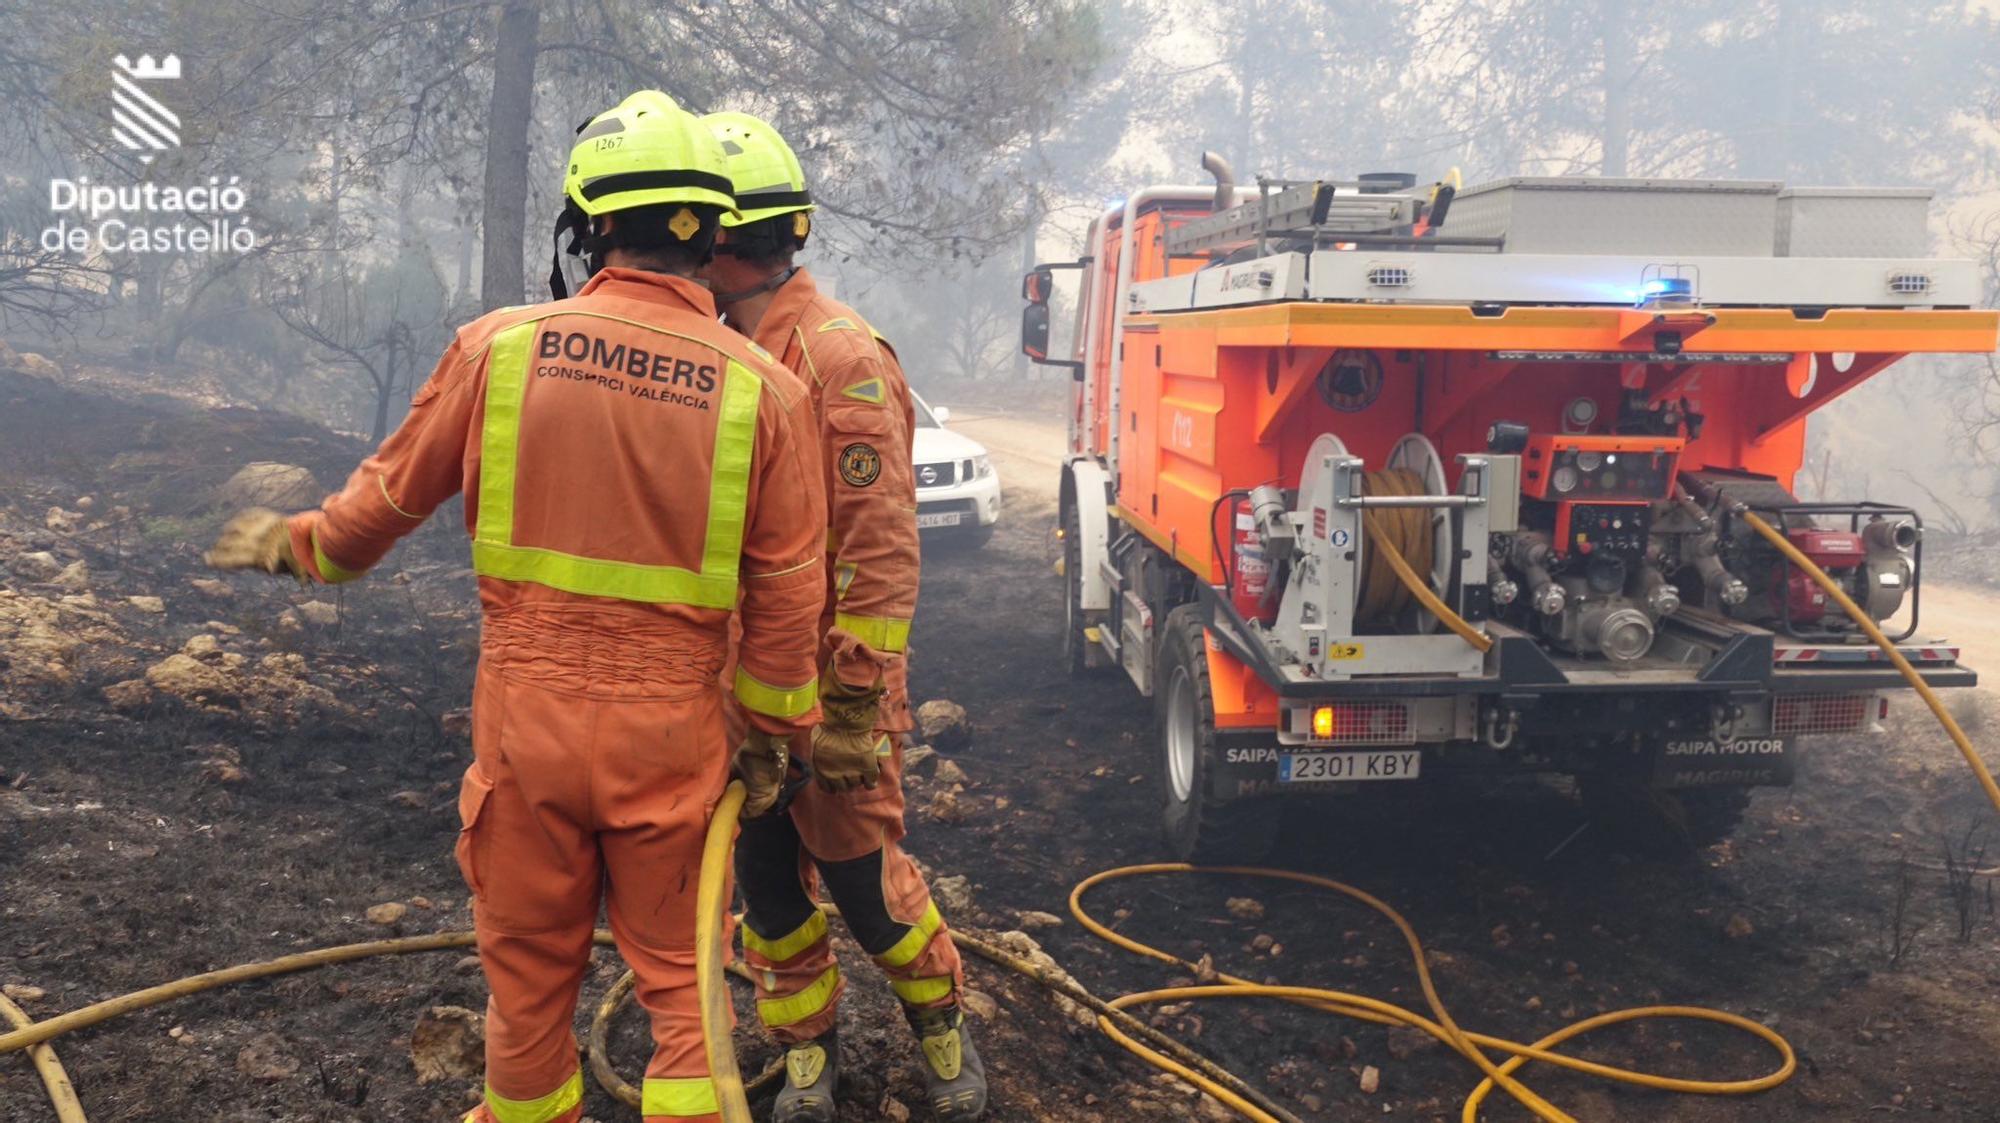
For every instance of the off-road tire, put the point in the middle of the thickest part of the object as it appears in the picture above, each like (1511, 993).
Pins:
(1199, 826)
(1634, 817)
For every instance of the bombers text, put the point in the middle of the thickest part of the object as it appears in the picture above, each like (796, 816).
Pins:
(635, 363)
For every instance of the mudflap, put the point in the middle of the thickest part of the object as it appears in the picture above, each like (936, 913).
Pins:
(1708, 762)
(1246, 764)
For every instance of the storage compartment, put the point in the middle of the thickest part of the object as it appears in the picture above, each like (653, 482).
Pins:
(1581, 214)
(1854, 222)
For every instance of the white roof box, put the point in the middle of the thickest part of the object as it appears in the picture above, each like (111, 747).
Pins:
(1594, 215)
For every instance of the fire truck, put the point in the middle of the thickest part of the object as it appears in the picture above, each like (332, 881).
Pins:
(1372, 482)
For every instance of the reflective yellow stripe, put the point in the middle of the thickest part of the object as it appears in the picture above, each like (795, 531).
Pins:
(382, 482)
(883, 633)
(776, 1012)
(775, 701)
(921, 992)
(538, 1110)
(593, 577)
(906, 950)
(785, 947)
(329, 572)
(869, 391)
(729, 481)
(495, 554)
(500, 435)
(678, 1096)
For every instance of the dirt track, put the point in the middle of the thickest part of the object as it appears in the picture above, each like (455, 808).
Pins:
(126, 859)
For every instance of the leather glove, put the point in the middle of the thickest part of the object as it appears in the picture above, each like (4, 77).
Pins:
(762, 762)
(845, 745)
(255, 539)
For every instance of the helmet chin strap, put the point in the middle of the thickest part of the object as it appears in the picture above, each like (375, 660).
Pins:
(774, 281)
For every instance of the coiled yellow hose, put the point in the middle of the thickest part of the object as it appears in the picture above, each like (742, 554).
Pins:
(1439, 1025)
(1399, 539)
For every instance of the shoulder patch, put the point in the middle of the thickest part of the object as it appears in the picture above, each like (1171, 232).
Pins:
(860, 465)
(868, 391)
(838, 323)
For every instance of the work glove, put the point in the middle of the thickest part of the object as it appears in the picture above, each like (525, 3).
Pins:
(256, 539)
(764, 763)
(845, 744)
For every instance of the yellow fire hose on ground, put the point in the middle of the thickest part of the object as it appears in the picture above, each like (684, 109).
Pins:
(1157, 1049)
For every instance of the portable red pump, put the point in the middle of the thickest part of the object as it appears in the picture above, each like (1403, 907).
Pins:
(1794, 594)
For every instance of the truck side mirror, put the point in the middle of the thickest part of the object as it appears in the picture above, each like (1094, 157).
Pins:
(1038, 284)
(1035, 331)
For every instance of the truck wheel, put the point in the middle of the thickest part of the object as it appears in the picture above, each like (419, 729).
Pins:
(1200, 826)
(1655, 821)
(1075, 646)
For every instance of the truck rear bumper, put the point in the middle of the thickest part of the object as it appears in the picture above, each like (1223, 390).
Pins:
(1699, 654)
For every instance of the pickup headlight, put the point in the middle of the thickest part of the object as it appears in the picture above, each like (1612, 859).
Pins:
(982, 467)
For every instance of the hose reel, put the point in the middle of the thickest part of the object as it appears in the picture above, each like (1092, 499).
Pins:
(1424, 538)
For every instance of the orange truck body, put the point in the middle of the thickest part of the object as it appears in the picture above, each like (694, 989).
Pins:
(1183, 407)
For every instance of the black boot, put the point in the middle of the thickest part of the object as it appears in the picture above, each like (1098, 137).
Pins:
(812, 1068)
(954, 1076)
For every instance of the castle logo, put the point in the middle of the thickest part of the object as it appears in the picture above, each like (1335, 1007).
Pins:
(139, 122)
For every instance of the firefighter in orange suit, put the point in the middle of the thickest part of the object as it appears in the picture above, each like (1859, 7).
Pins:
(631, 470)
(847, 826)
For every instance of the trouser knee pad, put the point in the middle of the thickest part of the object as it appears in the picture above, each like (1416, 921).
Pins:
(767, 866)
(856, 886)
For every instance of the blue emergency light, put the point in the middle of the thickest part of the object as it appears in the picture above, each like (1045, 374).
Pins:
(1666, 290)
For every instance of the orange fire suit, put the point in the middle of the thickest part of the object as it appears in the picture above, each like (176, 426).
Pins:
(865, 422)
(631, 469)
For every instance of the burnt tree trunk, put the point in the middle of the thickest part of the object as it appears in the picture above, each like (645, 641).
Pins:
(506, 202)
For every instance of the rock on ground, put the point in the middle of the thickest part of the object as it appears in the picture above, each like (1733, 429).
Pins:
(265, 483)
(954, 894)
(388, 912)
(943, 725)
(448, 1043)
(39, 641)
(190, 679)
(37, 566)
(132, 694)
(40, 366)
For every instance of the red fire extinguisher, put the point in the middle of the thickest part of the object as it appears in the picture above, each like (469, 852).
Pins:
(1252, 569)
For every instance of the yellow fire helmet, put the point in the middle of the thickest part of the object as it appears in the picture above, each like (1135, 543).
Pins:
(647, 150)
(764, 171)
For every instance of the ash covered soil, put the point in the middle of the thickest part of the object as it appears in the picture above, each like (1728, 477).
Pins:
(224, 771)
